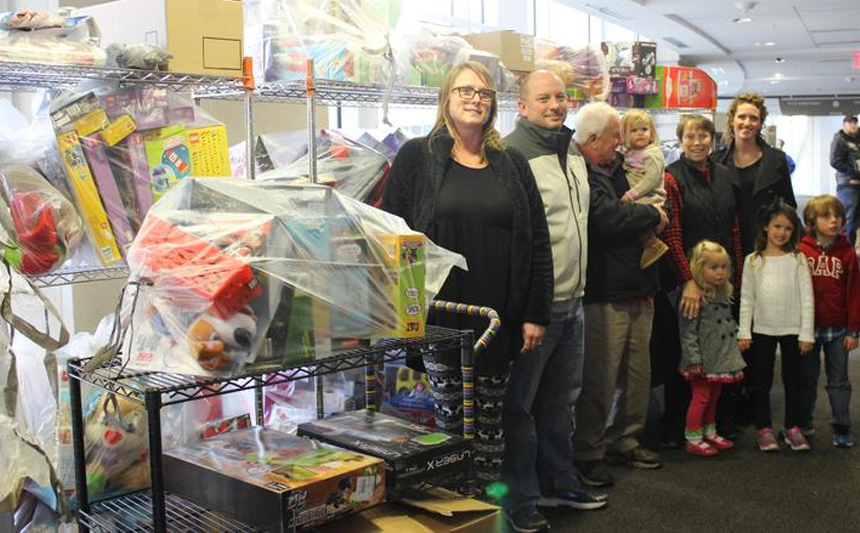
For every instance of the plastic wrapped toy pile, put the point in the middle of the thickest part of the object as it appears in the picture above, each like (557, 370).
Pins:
(354, 167)
(348, 40)
(120, 150)
(582, 69)
(235, 273)
(49, 37)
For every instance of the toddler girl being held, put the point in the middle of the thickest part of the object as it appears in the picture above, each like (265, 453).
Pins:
(644, 165)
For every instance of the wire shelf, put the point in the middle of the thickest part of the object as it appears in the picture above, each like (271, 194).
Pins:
(346, 94)
(182, 388)
(133, 513)
(65, 276)
(16, 76)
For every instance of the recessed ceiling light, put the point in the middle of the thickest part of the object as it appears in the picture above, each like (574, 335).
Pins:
(779, 59)
(768, 43)
(774, 82)
(778, 76)
(741, 20)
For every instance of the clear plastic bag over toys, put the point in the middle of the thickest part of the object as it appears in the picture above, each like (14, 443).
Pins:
(49, 37)
(583, 68)
(43, 226)
(348, 40)
(122, 149)
(348, 166)
(234, 273)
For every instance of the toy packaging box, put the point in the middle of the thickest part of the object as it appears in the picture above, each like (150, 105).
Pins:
(404, 257)
(88, 200)
(412, 453)
(168, 157)
(274, 481)
(683, 87)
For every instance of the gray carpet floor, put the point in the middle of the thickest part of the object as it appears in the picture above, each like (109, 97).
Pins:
(741, 489)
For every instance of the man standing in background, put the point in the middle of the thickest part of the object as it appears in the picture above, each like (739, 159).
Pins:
(845, 159)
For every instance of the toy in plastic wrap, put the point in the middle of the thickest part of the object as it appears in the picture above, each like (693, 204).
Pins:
(347, 41)
(115, 445)
(583, 70)
(44, 226)
(49, 37)
(213, 339)
(225, 265)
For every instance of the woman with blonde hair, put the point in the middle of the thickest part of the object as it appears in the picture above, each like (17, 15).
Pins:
(466, 192)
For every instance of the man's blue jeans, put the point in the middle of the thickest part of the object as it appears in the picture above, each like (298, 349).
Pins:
(838, 386)
(537, 411)
(849, 195)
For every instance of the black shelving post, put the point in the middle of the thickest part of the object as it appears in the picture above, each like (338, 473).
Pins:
(76, 406)
(153, 418)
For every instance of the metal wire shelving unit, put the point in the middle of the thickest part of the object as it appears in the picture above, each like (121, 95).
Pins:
(155, 510)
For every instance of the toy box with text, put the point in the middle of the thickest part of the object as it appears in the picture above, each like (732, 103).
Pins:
(412, 453)
(409, 392)
(274, 481)
(404, 256)
(683, 87)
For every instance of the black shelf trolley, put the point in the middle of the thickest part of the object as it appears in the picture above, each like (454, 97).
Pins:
(153, 509)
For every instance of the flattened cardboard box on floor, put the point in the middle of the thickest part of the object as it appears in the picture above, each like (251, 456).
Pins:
(412, 453)
(274, 481)
(433, 511)
(204, 36)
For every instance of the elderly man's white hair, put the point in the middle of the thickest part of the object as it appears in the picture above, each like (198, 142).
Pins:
(592, 119)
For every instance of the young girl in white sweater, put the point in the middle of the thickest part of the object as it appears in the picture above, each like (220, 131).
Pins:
(777, 307)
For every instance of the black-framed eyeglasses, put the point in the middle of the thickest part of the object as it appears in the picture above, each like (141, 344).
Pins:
(467, 93)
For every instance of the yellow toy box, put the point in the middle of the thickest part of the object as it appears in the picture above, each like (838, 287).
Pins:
(404, 259)
(210, 153)
(88, 200)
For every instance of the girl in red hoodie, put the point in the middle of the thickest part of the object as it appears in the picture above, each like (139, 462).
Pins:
(836, 284)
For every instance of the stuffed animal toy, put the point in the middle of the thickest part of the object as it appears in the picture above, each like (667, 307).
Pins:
(115, 446)
(219, 344)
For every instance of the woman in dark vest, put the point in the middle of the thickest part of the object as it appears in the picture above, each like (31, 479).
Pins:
(702, 199)
(762, 172)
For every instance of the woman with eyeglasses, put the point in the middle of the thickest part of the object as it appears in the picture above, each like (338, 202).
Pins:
(463, 189)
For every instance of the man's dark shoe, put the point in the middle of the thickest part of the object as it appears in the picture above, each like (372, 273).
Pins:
(593, 473)
(585, 500)
(528, 521)
(639, 457)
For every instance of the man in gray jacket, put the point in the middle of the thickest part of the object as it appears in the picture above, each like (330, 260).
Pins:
(537, 409)
(845, 160)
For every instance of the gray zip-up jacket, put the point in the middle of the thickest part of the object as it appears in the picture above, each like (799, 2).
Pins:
(562, 179)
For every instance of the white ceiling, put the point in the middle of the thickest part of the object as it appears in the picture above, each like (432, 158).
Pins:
(816, 38)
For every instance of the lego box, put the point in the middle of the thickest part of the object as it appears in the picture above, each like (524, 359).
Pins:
(404, 258)
(274, 481)
(412, 453)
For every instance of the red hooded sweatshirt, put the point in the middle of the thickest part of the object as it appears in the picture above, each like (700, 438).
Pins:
(835, 282)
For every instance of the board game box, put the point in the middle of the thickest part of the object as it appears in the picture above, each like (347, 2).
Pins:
(412, 453)
(272, 480)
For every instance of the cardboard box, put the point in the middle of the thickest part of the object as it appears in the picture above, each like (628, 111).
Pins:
(683, 87)
(517, 50)
(412, 453)
(435, 510)
(87, 198)
(204, 36)
(619, 58)
(272, 480)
